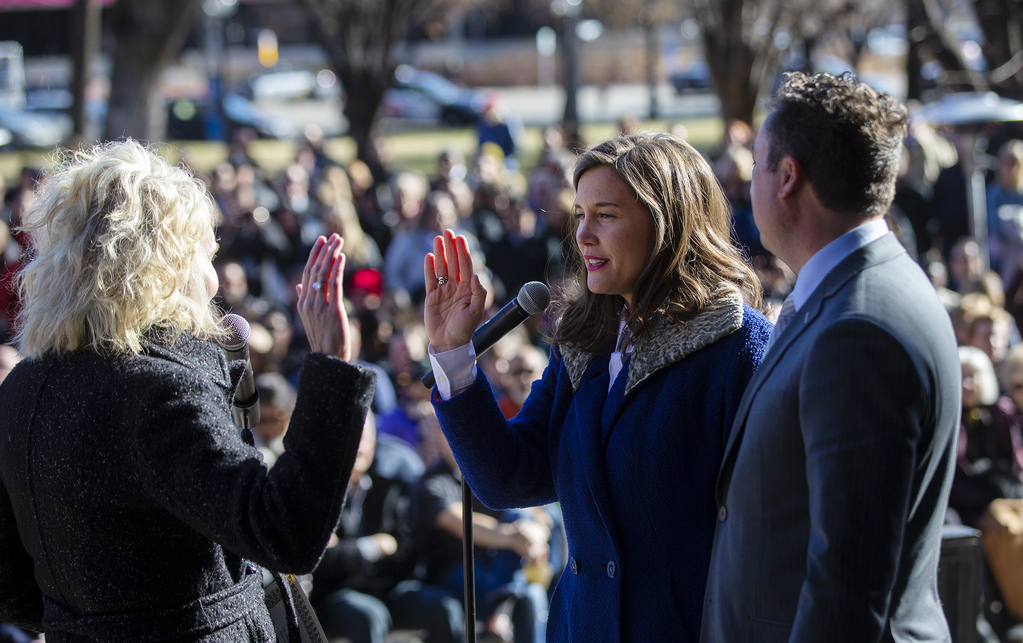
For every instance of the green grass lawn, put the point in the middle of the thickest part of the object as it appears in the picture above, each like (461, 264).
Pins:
(417, 150)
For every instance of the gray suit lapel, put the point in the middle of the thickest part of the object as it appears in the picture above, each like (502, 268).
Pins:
(874, 253)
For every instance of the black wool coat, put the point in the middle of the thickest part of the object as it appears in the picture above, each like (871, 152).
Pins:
(130, 507)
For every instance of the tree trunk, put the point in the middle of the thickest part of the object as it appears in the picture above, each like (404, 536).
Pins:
(653, 50)
(85, 33)
(147, 33)
(916, 25)
(1001, 22)
(362, 118)
(742, 64)
(940, 44)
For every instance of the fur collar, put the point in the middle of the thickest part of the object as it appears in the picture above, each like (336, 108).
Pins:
(665, 343)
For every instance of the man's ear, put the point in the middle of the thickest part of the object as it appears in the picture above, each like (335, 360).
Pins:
(790, 176)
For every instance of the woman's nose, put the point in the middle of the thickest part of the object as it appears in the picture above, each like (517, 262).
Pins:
(583, 234)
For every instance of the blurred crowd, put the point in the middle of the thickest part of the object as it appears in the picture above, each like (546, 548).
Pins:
(395, 562)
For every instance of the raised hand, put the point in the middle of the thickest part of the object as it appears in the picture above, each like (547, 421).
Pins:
(321, 299)
(454, 295)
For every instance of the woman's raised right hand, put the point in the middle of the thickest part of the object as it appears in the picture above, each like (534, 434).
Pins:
(454, 295)
(321, 299)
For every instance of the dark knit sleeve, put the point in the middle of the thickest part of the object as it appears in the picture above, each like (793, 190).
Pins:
(21, 602)
(192, 459)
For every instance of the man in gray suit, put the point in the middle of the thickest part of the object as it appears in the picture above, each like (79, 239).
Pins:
(837, 470)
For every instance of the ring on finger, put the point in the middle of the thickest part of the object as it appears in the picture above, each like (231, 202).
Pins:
(317, 285)
(441, 281)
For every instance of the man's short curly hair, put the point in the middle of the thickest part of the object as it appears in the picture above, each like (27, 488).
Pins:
(115, 233)
(846, 135)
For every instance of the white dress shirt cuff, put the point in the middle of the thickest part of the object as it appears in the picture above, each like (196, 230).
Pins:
(455, 370)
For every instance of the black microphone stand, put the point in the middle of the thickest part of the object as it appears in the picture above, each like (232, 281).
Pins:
(467, 563)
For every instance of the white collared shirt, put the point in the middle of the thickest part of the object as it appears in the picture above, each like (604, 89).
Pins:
(824, 260)
(455, 370)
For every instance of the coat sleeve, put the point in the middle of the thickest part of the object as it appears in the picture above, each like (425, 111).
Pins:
(21, 602)
(865, 430)
(506, 462)
(192, 460)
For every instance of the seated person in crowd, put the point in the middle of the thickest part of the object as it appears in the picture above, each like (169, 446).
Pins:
(363, 587)
(277, 398)
(990, 460)
(511, 555)
(982, 323)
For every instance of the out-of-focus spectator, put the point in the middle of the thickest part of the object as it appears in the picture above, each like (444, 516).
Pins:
(517, 254)
(10, 262)
(911, 207)
(1005, 211)
(22, 197)
(505, 542)
(311, 153)
(937, 272)
(363, 587)
(8, 358)
(990, 461)
(734, 169)
(407, 363)
(296, 191)
(403, 261)
(628, 124)
(5, 210)
(451, 178)
(949, 202)
(338, 215)
(277, 398)
(964, 266)
(238, 146)
(235, 296)
(982, 324)
(517, 376)
(499, 126)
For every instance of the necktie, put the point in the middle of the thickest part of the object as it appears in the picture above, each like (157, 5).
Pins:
(788, 311)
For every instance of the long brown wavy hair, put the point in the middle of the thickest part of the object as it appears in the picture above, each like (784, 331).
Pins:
(693, 261)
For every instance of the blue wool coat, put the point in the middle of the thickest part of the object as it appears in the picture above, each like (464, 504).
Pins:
(633, 469)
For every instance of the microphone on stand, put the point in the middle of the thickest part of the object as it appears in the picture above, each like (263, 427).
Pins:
(533, 298)
(245, 407)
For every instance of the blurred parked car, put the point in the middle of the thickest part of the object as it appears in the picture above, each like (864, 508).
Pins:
(291, 83)
(195, 120)
(693, 77)
(34, 130)
(428, 98)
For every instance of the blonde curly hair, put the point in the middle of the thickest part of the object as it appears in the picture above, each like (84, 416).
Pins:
(115, 233)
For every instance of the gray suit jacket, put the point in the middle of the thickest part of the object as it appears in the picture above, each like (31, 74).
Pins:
(837, 471)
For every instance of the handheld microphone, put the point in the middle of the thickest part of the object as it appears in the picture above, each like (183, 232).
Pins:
(533, 298)
(245, 407)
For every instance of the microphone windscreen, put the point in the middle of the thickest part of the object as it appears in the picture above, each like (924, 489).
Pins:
(534, 297)
(238, 329)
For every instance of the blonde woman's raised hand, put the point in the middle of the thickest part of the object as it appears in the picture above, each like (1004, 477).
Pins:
(321, 299)
(454, 295)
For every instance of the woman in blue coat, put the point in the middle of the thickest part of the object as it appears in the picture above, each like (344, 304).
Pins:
(627, 426)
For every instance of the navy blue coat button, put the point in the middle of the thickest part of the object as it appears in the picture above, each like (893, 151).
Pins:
(574, 565)
(611, 569)
(722, 513)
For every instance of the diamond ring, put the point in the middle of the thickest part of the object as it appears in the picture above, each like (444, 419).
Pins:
(441, 281)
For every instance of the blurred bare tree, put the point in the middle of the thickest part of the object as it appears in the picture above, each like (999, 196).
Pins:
(1001, 27)
(146, 33)
(745, 41)
(742, 41)
(1001, 22)
(360, 38)
(931, 40)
